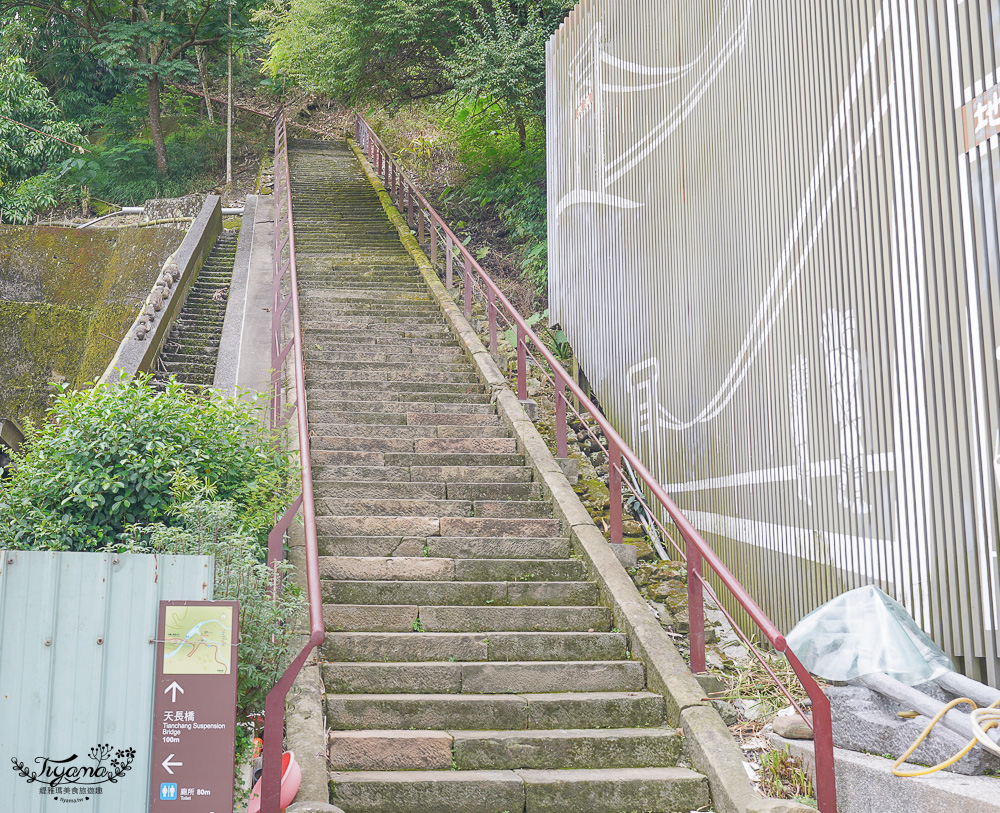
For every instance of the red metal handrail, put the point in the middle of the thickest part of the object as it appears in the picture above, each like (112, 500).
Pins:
(284, 264)
(696, 550)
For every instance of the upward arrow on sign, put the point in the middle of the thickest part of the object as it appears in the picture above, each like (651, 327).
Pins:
(174, 688)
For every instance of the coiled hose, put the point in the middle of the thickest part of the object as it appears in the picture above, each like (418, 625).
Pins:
(982, 720)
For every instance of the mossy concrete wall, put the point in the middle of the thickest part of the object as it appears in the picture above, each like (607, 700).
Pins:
(67, 297)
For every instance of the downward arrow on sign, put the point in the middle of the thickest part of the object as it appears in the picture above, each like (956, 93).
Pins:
(167, 764)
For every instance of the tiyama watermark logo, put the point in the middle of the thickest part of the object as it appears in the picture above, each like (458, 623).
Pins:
(76, 778)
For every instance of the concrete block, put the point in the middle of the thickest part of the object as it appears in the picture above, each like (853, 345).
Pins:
(669, 790)
(552, 676)
(425, 791)
(389, 750)
(865, 784)
(437, 712)
(594, 709)
(563, 646)
(567, 748)
(392, 678)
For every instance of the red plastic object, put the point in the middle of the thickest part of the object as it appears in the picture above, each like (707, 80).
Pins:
(291, 778)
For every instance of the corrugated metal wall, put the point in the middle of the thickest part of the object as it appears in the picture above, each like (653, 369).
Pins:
(77, 655)
(773, 244)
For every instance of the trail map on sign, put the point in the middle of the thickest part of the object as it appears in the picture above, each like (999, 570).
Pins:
(198, 641)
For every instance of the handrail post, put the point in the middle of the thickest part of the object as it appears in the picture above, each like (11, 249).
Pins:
(420, 226)
(696, 606)
(448, 259)
(467, 283)
(491, 311)
(522, 366)
(615, 491)
(434, 243)
(409, 206)
(562, 447)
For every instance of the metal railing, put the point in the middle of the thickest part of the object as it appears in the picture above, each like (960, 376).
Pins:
(431, 229)
(284, 267)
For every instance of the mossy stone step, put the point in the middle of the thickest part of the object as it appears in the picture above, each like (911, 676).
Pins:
(400, 647)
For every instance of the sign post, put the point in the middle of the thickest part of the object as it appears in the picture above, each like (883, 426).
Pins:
(194, 716)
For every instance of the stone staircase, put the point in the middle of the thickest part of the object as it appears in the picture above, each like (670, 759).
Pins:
(192, 347)
(468, 666)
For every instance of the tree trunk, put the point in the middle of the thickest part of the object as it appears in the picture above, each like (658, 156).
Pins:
(199, 53)
(522, 133)
(229, 105)
(155, 127)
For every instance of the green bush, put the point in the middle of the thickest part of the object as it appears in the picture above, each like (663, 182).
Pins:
(128, 175)
(113, 456)
(268, 638)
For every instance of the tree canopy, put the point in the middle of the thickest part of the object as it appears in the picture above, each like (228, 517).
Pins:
(33, 134)
(147, 38)
(394, 51)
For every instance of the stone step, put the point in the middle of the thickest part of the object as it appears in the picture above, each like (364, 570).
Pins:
(433, 491)
(328, 393)
(317, 374)
(448, 548)
(402, 386)
(491, 619)
(651, 790)
(400, 346)
(320, 400)
(424, 568)
(456, 593)
(413, 459)
(425, 474)
(560, 749)
(418, 432)
(434, 526)
(437, 677)
(397, 354)
(502, 712)
(393, 507)
(580, 748)
(472, 646)
(412, 444)
(426, 791)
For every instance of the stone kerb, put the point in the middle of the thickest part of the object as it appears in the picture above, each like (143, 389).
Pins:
(709, 744)
(144, 339)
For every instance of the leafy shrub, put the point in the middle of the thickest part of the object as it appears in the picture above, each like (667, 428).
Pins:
(128, 174)
(508, 176)
(111, 457)
(268, 639)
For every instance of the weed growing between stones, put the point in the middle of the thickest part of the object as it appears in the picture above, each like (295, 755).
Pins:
(783, 776)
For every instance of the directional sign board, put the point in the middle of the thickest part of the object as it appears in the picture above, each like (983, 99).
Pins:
(194, 722)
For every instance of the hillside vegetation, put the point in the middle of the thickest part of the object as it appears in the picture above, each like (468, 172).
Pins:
(108, 104)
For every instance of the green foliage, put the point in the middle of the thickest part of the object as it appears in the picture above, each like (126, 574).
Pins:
(113, 456)
(128, 174)
(26, 155)
(61, 60)
(783, 776)
(503, 174)
(268, 642)
(499, 60)
(555, 340)
(389, 50)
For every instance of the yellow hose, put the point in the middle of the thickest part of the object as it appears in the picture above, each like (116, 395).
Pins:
(991, 723)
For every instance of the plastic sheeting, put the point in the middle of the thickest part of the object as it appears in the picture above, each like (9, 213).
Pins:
(864, 632)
